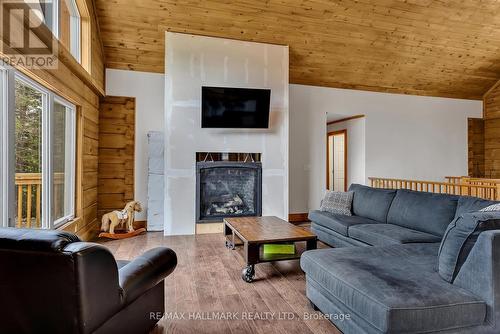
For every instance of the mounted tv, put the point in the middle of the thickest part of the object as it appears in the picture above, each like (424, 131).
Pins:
(223, 107)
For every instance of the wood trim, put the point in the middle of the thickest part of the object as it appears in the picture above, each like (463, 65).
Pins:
(333, 133)
(345, 119)
(296, 218)
(492, 88)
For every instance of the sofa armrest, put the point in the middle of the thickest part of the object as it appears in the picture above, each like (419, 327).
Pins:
(96, 275)
(480, 274)
(145, 271)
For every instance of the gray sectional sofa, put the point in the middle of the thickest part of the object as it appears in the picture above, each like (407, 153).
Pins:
(394, 286)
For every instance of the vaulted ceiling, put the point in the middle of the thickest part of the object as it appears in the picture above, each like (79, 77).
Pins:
(447, 48)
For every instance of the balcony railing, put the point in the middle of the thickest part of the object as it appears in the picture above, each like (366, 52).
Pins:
(490, 191)
(29, 198)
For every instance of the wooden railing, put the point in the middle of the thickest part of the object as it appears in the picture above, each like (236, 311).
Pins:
(29, 192)
(454, 179)
(486, 191)
(29, 198)
(472, 180)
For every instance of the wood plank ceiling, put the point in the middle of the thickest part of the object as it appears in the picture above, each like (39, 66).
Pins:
(423, 47)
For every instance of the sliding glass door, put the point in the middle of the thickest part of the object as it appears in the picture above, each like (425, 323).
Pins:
(38, 143)
(30, 107)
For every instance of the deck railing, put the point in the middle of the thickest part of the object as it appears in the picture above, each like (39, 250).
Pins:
(486, 191)
(29, 196)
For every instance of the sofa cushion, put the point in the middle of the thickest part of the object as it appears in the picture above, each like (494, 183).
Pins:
(371, 203)
(336, 222)
(388, 234)
(422, 211)
(337, 202)
(394, 288)
(460, 237)
(334, 239)
(492, 207)
(467, 204)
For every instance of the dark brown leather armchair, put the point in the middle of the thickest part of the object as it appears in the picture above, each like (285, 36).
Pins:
(51, 282)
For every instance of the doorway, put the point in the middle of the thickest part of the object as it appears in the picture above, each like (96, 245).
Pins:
(336, 161)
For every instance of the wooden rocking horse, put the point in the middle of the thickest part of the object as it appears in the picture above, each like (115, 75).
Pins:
(118, 218)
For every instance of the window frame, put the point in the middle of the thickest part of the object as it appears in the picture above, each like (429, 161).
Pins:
(7, 162)
(4, 212)
(55, 18)
(75, 30)
(8, 79)
(52, 19)
(46, 143)
(70, 176)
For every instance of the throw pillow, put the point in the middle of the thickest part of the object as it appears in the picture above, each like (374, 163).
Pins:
(494, 207)
(460, 237)
(337, 202)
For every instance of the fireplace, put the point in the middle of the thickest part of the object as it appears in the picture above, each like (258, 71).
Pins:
(228, 189)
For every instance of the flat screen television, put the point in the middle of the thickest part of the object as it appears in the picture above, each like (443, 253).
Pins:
(223, 107)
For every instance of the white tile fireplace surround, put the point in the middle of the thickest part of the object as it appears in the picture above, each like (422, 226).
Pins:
(196, 61)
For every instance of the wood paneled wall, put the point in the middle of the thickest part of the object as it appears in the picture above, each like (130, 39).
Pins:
(116, 153)
(422, 47)
(476, 147)
(83, 88)
(492, 133)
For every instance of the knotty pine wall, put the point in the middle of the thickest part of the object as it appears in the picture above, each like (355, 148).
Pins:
(83, 88)
(116, 153)
(492, 133)
(476, 147)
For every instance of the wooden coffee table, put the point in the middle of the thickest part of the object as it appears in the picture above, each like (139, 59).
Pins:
(252, 232)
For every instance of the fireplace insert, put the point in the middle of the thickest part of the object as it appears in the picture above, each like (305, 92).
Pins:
(228, 189)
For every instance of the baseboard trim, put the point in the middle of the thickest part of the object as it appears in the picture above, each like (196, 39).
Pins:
(296, 218)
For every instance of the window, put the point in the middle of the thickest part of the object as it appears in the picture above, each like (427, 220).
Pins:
(29, 152)
(49, 9)
(63, 161)
(38, 154)
(63, 18)
(69, 27)
(3, 151)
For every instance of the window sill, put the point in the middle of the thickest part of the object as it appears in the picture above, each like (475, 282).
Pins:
(72, 226)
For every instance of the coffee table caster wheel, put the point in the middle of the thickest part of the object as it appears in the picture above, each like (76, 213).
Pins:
(248, 274)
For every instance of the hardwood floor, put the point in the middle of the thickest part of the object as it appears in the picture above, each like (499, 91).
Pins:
(208, 279)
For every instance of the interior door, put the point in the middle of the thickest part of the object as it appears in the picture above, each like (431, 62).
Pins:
(337, 161)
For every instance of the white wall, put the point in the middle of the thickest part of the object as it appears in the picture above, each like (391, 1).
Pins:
(196, 61)
(148, 90)
(406, 136)
(355, 148)
(307, 153)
